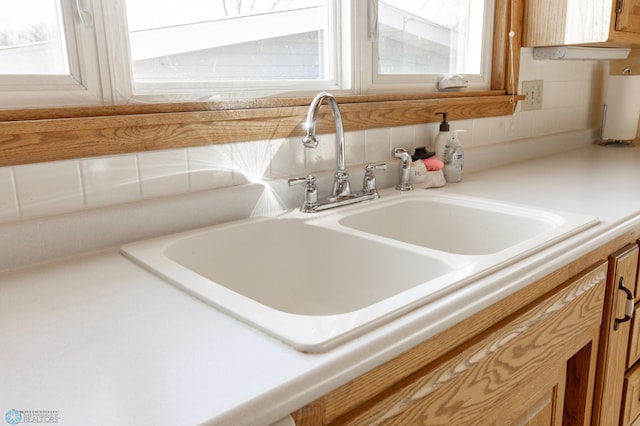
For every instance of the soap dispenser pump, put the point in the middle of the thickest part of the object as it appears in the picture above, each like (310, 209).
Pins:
(443, 137)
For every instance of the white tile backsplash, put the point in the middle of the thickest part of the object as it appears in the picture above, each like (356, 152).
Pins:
(208, 169)
(569, 119)
(49, 188)
(404, 136)
(466, 131)
(250, 161)
(322, 157)
(377, 146)
(8, 196)
(110, 180)
(572, 94)
(519, 126)
(425, 135)
(489, 131)
(287, 158)
(163, 172)
(560, 94)
(545, 122)
(354, 146)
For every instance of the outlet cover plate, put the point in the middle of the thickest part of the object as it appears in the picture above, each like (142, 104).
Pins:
(532, 91)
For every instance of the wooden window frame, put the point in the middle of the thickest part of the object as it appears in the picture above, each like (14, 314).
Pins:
(39, 135)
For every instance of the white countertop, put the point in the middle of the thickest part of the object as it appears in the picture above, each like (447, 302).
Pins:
(99, 340)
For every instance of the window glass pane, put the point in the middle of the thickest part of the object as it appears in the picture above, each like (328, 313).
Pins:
(430, 36)
(32, 38)
(227, 40)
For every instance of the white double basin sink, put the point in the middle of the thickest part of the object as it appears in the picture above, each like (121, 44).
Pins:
(315, 280)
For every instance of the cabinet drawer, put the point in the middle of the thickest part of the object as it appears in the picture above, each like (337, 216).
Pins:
(631, 396)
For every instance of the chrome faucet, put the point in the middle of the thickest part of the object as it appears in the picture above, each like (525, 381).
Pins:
(341, 194)
(405, 158)
(311, 204)
(341, 184)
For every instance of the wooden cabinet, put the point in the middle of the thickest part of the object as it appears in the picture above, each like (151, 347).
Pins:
(631, 395)
(630, 412)
(535, 366)
(564, 22)
(633, 353)
(554, 353)
(627, 15)
(612, 360)
(634, 338)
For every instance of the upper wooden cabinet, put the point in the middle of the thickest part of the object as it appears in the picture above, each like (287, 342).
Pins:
(628, 16)
(582, 22)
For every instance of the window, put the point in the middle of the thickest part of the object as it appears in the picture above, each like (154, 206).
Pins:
(99, 28)
(118, 51)
(429, 37)
(224, 41)
(234, 47)
(47, 56)
(417, 42)
(303, 44)
(32, 39)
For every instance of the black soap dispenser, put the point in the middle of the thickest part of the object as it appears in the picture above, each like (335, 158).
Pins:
(443, 137)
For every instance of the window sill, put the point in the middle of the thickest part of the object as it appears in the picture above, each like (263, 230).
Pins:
(32, 136)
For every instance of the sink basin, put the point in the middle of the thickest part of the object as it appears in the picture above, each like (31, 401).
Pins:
(299, 269)
(464, 226)
(317, 280)
(309, 286)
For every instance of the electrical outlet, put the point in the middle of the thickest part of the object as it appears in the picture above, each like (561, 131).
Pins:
(532, 91)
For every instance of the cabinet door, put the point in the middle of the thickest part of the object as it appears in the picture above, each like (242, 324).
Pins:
(614, 337)
(631, 397)
(634, 339)
(628, 18)
(543, 408)
(562, 22)
(517, 374)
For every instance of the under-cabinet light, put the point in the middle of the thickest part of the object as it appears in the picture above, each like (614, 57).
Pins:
(578, 52)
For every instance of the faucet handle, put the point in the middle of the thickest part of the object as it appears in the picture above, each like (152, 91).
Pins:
(369, 168)
(310, 203)
(307, 179)
(369, 180)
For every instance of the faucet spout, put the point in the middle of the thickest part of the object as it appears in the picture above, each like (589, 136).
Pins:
(341, 194)
(341, 185)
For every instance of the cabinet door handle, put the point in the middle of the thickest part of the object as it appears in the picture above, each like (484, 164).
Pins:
(629, 307)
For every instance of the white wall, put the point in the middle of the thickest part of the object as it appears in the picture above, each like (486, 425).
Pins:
(570, 114)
